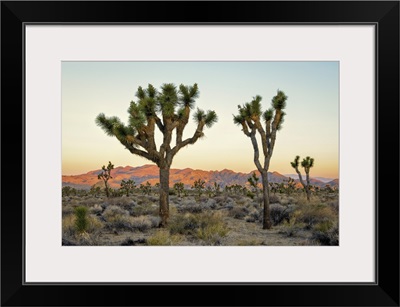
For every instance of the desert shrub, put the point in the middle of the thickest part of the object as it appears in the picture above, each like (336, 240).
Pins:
(207, 226)
(113, 210)
(274, 198)
(94, 224)
(191, 207)
(96, 209)
(211, 204)
(67, 209)
(139, 210)
(279, 213)
(141, 223)
(326, 233)
(163, 238)
(238, 212)
(68, 225)
(81, 219)
(211, 228)
(220, 200)
(186, 224)
(311, 215)
(334, 205)
(255, 215)
(291, 227)
(117, 217)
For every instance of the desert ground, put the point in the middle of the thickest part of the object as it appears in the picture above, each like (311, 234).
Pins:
(230, 217)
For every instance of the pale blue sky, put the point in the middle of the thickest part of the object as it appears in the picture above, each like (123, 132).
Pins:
(311, 126)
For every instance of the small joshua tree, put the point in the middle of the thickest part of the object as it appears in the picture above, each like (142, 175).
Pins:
(105, 175)
(290, 186)
(127, 186)
(266, 124)
(199, 186)
(217, 188)
(179, 188)
(307, 163)
(253, 181)
(145, 188)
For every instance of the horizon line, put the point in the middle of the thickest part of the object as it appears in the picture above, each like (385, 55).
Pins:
(197, 169)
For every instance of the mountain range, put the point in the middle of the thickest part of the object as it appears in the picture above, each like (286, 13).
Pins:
(150, 173)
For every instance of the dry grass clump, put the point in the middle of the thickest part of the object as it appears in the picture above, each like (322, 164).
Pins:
(311, 215)
(190, 206)
(280, 213)
(69, 229)
(273, 198)
(238, 212)
(143, 223)
(119, 218)
(139, 210)
(255, 215)
(326, 233)
(163, 238)
(207, 226)
(211, 228)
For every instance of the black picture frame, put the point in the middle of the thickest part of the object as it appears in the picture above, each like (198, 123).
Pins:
(383, 14)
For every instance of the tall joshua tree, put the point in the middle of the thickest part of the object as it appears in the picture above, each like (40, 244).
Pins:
(168, 110)
(266, 124)
(307, 163)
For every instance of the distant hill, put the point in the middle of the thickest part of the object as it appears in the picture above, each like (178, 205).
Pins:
(150, 173)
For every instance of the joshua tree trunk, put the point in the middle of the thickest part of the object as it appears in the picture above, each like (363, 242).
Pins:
(266, 220)
(164, 195)
(107, 189)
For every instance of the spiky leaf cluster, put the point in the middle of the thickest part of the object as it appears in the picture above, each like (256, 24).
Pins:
(307, 163)
(167, 109)
(295, 163)
(252, 120)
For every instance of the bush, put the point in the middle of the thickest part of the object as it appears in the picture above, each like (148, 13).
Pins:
(238, 212)
(326, 234)
(191, 207)
(255, 215)
(279, 213)
(273, 198)
(112, 211)
(185, 225)
(163, 238)
(81, 219)
(143, 223)
(139, 210)
(211, 228)
(311, 215)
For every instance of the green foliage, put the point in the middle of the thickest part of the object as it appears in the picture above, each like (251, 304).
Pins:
(188, 94)
(145, 188)
(127, 186)
(179, 188)
(295, 163)
(68, 191)
(279, 101)
(105, 175)
(307, 163)
(199, 186)
(81, 221)
(95, 191)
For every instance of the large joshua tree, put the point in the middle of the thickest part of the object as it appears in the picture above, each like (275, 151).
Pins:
(253, 120)
(168, 110)
(307, 163)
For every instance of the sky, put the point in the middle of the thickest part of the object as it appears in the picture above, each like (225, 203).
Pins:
(311, 126)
